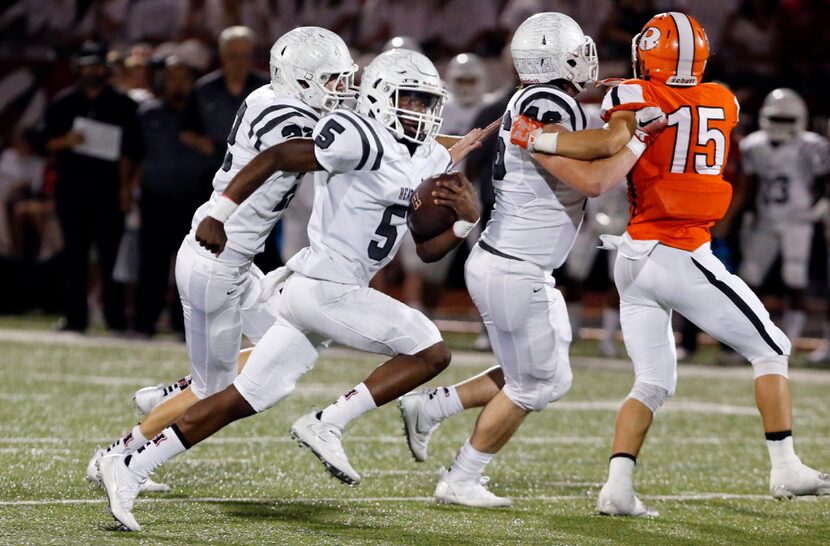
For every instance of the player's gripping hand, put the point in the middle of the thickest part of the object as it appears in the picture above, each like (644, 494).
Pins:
(210, 233)
(524, 132)
(459, 197)
(649, 123)
(471, 141)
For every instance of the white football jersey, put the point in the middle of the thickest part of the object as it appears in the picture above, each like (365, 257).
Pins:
(536, 216)
(786, 173)
(265, 119)
(360, 201)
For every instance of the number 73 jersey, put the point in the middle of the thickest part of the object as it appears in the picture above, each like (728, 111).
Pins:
(358, 219)
(676, 191)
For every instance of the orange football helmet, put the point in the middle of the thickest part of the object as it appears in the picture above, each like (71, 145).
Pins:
(671, 48)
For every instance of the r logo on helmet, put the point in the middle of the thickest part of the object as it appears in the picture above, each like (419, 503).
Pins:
(650, 38)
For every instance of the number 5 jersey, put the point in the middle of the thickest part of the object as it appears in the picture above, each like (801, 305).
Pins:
(360, 200)
(676, 191)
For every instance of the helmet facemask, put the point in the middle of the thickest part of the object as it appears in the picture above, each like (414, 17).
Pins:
(328, 91)
(417, 126)
(583, 64)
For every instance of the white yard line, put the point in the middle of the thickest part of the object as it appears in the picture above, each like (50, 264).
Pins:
(368, 500)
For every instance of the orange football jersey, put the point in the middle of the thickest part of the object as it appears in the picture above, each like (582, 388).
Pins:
(676, 190)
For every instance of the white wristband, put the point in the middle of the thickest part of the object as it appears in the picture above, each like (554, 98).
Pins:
(636, 146)
(545, 143)
(462, 228)
(222, 208)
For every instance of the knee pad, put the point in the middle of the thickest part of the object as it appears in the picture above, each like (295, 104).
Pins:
(650, 395)
(769, 365)
(542, 392)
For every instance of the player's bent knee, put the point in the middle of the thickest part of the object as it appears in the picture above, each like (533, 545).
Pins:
(436, 357)
(769, 365)
(650, 395)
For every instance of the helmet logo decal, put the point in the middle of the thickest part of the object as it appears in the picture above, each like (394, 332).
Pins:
(649, 38)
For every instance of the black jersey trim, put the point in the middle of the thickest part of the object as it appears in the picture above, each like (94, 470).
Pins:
(268, 127)
(553, 97)
(276, 108)
(363, 139)
(379, 149)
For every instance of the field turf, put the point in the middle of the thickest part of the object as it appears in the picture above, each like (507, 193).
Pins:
(704, 466)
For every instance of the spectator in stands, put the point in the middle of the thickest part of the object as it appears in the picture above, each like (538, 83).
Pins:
(155, 21)
(91, 130)
(21, 175)
(218, 95)
(170, 192)
(626, 19)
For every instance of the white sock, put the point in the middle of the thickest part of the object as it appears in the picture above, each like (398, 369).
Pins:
(128, 443)
(610, 323)
(349, 407)
(156, 452)
(469, 463)
(443, 402)
(781, 452)
(575, 314)
(794, 324)
(621, 472)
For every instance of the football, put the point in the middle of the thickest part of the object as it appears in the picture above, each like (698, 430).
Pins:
(426, 219)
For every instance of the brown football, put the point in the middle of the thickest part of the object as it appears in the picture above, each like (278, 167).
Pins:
(426, 219)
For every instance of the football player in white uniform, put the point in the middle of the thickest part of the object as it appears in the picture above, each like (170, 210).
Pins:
(369, 164)
(786, 168)
(539, 207)
(311, 73)
(465, 76)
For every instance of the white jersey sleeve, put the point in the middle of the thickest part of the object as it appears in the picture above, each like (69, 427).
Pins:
(551, 106)
(624, 96)
(264, 119)
(345, 142)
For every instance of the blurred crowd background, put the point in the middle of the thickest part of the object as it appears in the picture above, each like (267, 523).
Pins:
(92, 238)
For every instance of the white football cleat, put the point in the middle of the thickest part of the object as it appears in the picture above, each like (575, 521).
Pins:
(822, 354)
(325, 441)
(148, 398)
(122, 486)
(622, 504)
(416, 425)
(93, 475)
(797, 480)
(468, 493)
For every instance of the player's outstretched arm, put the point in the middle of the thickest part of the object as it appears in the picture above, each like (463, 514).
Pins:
(296, 155)
(645, 124)
(593, 178)
(463, 200)
(461, 146)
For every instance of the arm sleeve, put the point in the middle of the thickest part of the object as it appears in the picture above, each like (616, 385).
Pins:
(625, 96)
(344, 142)
(548, 105)
(819, 154)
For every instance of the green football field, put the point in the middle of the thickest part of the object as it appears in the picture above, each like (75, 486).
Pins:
(704, 467)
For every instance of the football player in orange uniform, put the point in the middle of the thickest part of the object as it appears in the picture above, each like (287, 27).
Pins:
(676, 193)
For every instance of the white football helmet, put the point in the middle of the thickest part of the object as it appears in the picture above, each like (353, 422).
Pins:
(466, 77)
(392, 75)
(551, 46)
(305, 59)
(783, 114)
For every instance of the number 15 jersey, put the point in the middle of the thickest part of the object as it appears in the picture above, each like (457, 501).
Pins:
(676, 191)
(361, 198)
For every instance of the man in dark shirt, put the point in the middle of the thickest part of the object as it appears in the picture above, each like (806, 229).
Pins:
(171, 181)
(219, 94)
(93, 174)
